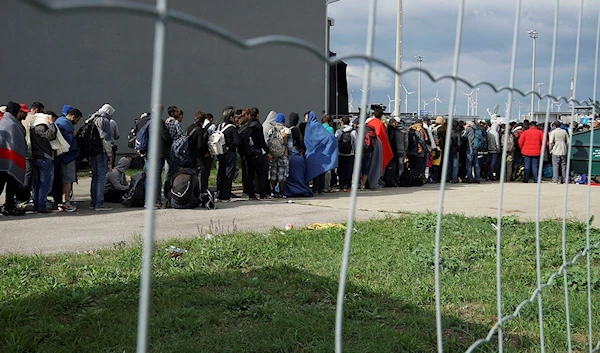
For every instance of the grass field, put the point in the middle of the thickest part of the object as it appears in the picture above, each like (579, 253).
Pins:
(276, 292)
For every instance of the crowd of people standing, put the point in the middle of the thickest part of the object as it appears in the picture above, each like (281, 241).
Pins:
(278, 156)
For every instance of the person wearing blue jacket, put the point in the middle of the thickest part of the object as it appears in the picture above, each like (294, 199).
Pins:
(67, 164)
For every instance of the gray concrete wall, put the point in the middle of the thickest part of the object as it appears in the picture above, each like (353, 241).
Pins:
(88, 58)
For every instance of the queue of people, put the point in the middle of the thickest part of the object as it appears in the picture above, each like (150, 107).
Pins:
(278, 157)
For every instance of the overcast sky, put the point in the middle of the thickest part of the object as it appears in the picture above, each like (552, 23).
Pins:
(429, 30)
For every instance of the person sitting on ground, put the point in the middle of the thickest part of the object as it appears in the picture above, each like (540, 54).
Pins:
(185, 193)
(116, 181)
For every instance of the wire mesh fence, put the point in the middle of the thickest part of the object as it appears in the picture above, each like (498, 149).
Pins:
(543, 280)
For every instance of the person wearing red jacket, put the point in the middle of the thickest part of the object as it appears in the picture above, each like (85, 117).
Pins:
(531, 148)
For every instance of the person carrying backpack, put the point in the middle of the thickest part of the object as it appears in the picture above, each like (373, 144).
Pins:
(99, 152)
(198, 149)
(173, 124)
(279, 166)
(472, 152)
(227, 159)
(346, 137)
(142, 139)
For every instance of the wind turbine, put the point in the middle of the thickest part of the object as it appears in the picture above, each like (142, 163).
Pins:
(435, 101)
(425, 104)
(493, 114)
(468, 102)
(407, 93)
(558, 104)
(520, 104)
(390, 101)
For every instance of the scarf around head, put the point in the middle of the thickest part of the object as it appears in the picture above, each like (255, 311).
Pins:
(321, 148)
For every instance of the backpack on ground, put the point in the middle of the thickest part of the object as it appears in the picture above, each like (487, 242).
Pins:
(180, 150)
(88, 139)
(216, 141)
(411, 177)
(345, 142)
(185, 189)
(480, 140)
(207, 200)
(141, 139)
(370, 139)
(136, 194)
(276, 143)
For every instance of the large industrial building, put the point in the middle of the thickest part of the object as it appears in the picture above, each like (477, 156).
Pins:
(87, 58)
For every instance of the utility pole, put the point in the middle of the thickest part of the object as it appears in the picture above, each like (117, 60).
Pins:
(398, 82)
(420, 60)
(533, 34)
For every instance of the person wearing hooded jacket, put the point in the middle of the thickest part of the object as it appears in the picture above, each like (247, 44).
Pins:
(116, 184)
(297, 140)
(472, 154)
(102, 160)
(12, 164)
(493, 150)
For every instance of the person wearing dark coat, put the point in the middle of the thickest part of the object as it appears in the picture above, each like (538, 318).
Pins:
(198, 142)
(297, 140)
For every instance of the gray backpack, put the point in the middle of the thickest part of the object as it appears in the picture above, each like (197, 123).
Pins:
(277, 143)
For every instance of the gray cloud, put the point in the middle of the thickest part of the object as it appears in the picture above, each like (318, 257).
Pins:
(430, 27)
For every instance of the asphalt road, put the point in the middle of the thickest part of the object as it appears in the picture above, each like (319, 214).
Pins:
(87, 229)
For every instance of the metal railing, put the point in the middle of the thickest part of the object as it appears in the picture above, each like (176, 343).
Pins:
(163, 14)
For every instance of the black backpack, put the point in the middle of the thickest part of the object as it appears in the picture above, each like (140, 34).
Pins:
(132, 133)
(88, 139)
(185, 187)
(345, 142)
(136, 194)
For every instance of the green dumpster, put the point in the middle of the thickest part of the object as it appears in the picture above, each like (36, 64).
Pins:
(580, 152)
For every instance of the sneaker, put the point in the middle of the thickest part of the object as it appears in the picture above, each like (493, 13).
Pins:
(61, 207)
(362, 188)
(226, 200)
(68, 207)
(264, 198)
(12, 212)
(103, 208)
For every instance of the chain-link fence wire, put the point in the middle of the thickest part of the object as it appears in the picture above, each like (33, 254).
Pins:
(163, 15)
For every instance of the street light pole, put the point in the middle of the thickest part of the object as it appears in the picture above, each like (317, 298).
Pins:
(420, 60)
(533, 34)
(328, 23)
(398, 60)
